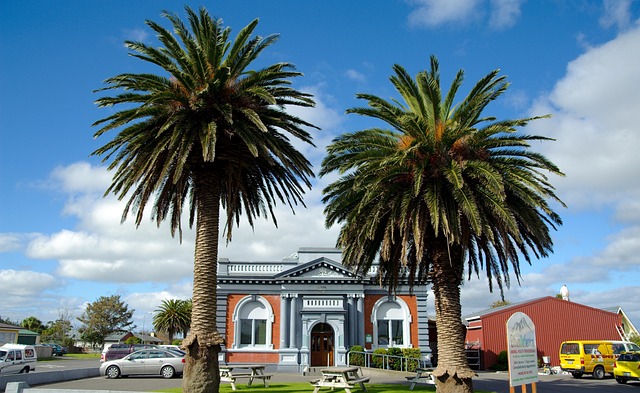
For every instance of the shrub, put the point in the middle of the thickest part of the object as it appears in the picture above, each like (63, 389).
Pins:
(502, 363)
(133, 340)
(413, 358)
(356, 359)
(395, 363)
(378, 361)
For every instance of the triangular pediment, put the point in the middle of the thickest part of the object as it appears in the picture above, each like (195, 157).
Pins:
(321, 268)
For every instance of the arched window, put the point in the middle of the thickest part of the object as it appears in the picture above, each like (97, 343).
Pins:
(252, 320)
(391, 323)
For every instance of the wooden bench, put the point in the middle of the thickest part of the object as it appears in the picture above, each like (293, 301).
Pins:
(333, 384)
(426, 378)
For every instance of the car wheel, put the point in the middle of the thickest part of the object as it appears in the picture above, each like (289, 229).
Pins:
(25, 370)
(577, 375)
(620, 380)
(167, 372)
(598, 373)
(113, 372)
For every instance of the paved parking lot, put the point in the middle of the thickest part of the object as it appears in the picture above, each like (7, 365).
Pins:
(496, 382)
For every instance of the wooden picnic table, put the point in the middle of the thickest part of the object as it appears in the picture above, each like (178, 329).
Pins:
(423, 375)
(232, 372)
(339, 377)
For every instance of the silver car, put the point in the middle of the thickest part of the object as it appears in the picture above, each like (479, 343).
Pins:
(167, 363)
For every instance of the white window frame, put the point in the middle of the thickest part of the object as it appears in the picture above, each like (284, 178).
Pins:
(245, 302)
(406, 322)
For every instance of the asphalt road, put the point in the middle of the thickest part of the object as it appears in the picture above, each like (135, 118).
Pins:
(495, 382)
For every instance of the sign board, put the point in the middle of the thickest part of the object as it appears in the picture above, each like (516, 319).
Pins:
(522, 350)
(368, 338)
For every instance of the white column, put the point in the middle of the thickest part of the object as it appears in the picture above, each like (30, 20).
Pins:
(292, 321)
(360, 320)
(284, 321)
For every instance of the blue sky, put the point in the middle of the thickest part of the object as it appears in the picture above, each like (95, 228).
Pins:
(62, 244)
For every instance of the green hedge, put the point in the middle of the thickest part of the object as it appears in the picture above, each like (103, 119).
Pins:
(378, 361)
(411, 354)
(356, 359)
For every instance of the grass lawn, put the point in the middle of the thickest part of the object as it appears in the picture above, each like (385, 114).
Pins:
(295, 387)
(72, 356)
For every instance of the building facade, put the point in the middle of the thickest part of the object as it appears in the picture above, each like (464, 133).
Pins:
(555, 321)
(308, 310)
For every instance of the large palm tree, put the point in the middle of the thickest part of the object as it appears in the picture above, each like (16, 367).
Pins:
(441, 190)
(207, 132)
(172, 316)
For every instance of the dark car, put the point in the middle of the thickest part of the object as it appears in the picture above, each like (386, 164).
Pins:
(57, 349)
(118, 351)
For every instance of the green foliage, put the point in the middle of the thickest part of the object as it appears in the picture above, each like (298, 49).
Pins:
(173, 315)
(176, 342)
(411, 354)
(499, 303)
(34, 324)
(103, 317)
(502, 364)
(356, 359)
(133, 340)
(378, 361)
(635, 338)
(439, 186)
(57, 331)
(395, 363)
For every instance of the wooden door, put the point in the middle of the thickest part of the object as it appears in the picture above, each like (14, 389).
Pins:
(322, 339)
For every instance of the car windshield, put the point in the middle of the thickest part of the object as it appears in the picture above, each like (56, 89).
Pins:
(634, 347)
(3, 354)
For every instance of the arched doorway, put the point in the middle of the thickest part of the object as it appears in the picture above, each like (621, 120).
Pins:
(322, 339)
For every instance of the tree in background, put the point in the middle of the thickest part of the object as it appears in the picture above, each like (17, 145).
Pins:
(499, 303)
(173, 315)
(206, 133)
(442, 190)
(104, 316)
(34, 324)
(58, 331)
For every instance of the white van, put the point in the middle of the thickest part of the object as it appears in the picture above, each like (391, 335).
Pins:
(624, 346)
(17, 358)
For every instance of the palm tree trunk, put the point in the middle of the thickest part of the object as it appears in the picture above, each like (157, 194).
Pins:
(453, 373)
(201, 372)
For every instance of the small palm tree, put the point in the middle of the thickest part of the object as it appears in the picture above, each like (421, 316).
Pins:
(172, 316)
(444, 189)
(208, 132)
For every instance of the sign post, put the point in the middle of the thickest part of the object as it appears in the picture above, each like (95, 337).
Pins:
(522, 352)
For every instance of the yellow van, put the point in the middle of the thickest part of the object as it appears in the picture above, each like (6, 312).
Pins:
(593, 357)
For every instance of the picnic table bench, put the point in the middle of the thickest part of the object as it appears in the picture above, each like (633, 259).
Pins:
(345, 378)
(423, 375)
(253, 371)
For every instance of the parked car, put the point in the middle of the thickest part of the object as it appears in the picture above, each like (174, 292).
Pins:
(57, 349)
(627, 367)
(593, 357)
(118, 351)
(167, 363)
(169, 346)
(17, 358)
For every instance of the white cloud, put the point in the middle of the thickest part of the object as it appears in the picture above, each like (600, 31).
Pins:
(355, 75)
(432, 13)
(594, 123)
(24, 283)
(136, 35)
(504, 13)
(616, 13)
(10, 241)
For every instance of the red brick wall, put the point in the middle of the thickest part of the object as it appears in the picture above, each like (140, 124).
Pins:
(412, 303)
(274, 301)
